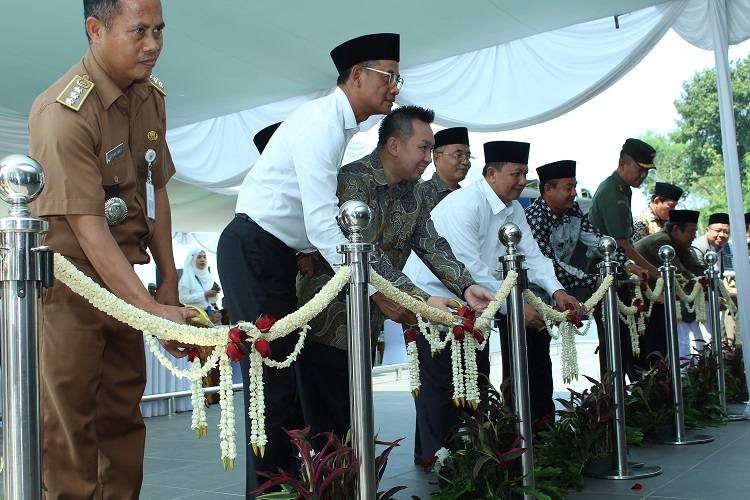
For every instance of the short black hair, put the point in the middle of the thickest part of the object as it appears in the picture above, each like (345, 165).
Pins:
(498, 165)
(343, 77)
(551, 182)
(399, 123)
(103, 10)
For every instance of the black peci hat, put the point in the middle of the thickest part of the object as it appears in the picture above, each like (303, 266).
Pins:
(640, 152)
(562, 169)
(506, 151)
(667, 191)
(684, 216)
(455, 135)
(720, 218)
(366, 48)
(262, 137)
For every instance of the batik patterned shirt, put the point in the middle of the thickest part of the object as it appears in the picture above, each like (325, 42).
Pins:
(433, 191)
(645, 223)
(400, 223)
(557, 237)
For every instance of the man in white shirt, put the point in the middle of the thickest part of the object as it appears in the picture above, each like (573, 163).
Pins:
(287, 208)
(469, 219)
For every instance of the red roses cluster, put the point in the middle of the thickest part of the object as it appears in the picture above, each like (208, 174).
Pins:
(237, 336)
(459, 331)
(572, 315)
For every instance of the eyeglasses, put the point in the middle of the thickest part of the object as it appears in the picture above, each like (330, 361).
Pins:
(458, 156)
(394, 80)
(725, 232)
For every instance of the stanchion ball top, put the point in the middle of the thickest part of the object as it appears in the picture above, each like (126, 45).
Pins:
(21, 179)
(607, 245)
(509, 234)
(666, 253)
(711, 258)
(354, 216)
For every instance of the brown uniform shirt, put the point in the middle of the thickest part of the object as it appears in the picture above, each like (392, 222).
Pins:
(72, 146)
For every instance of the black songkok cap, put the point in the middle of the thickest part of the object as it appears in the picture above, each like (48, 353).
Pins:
(640, 152)
(506, 151)
(719, 218)
(366, 48)
(455, 135)
(562, 169)
(262, 137)
(667, 191)
(684, 216)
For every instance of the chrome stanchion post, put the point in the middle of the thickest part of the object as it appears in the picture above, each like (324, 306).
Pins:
(25, 266)
(666, 254)
(354, 216)
(510, 235)
(712, 275)
(622, 469)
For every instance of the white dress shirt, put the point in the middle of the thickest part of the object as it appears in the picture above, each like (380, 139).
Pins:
(291, 190)
(470, 218)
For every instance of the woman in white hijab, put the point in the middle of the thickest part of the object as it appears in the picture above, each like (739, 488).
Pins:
(197, 286)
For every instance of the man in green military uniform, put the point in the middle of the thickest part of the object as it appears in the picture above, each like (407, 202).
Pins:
(678, 233)
(610, 213)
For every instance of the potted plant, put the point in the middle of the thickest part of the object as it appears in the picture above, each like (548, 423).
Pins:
(581, 440)
(649, 402)
(700, 390)
(327, 475)
(734, 372)
(488, 467)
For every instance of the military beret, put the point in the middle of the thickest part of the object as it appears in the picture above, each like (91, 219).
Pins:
(667, 191)
(506, 151)
(373, 47)
(455, 135)
(640, 152)
(719, 218)
(684, 216)
(261, 138)
(562, 169)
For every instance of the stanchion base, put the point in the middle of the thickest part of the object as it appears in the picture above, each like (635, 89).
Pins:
(692, 439)
(635, 465)
(629, 472)
(735, 417)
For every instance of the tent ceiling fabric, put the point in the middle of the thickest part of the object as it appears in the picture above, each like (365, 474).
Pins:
(228, 55)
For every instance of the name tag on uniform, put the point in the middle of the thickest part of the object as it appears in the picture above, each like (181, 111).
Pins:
(114, 152)
(150, 201)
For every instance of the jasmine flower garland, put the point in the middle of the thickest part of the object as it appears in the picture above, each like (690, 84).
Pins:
(415, 305)
(227, 430)
(566, 330)
(483, 322)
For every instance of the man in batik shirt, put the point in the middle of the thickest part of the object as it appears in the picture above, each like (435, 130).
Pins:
(656, 214)
(452, 159)
(385, 180)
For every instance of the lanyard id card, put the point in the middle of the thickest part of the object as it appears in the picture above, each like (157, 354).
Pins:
(150, 196)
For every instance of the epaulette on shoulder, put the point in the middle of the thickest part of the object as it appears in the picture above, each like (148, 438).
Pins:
(158, 85)
(74, 95)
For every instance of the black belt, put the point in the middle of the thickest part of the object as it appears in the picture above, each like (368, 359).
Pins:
(244, 217)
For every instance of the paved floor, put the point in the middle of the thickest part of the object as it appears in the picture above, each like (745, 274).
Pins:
(180, 466)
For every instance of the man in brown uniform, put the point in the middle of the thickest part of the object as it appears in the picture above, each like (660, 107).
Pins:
(92, 131)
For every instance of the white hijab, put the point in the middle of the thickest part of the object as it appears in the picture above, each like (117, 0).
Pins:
(191, 273)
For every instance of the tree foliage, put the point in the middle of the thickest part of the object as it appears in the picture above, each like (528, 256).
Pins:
(691, 155)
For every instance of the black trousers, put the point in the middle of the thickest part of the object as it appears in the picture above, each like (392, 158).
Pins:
(324, 390)
(539, 364)
(258, 273)
(437, 415)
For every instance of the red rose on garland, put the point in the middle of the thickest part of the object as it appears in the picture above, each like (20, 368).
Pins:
(235, 352)
(263, 347)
